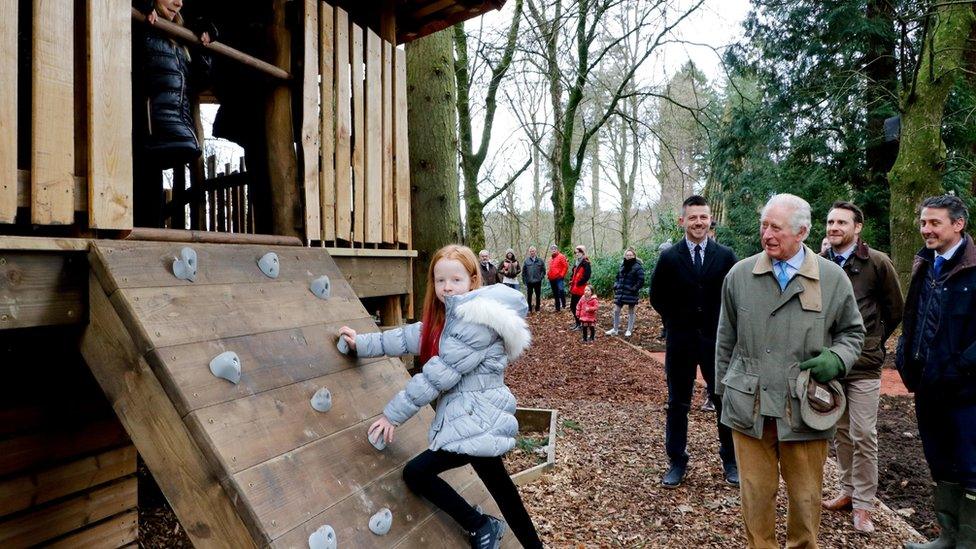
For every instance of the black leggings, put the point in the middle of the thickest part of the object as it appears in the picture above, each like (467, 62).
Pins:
(536, 287)
(589, 333)
(420, 475)
(573, 302)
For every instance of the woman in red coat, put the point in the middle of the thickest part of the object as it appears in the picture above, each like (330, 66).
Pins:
(558, 267)
(581, 276)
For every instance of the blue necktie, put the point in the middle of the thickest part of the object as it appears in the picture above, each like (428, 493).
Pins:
(782, 277)
(698, 257)
(839, 260)
(937, 269)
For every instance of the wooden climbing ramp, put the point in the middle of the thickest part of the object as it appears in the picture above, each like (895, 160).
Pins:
(252, 463)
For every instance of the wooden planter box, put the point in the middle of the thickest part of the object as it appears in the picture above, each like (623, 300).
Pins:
(537, 419)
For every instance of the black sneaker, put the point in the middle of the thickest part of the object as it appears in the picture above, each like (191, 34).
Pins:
(489, 535)
(674, 476)
(732, 474)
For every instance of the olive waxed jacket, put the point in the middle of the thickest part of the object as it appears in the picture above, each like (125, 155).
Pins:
(764, 335)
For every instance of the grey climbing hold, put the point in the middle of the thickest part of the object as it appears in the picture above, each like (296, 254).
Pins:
(226, 365)
(323, 538)
(269, 264)
(381, 522)
(185, 266)
(321, 287)
(343, 345)
(377, 440)
(322, 400)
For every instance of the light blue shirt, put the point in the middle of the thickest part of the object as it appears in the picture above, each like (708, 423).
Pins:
(691, 248)
(951, 251)
(793, 264)
(846, 255)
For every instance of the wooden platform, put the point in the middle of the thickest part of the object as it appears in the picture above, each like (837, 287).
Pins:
(253, 464)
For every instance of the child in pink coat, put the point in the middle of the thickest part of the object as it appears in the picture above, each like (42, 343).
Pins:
(586, 312)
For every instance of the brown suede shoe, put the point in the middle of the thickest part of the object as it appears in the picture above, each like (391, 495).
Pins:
(839, 503)
(862, 521)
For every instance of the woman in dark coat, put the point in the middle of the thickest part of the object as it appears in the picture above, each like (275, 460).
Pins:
(630, 280)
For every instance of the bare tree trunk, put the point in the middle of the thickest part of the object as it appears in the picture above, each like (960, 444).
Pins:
(594, 190)
(918, 171)
(432, 119)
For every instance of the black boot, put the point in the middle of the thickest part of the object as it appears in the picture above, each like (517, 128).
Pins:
(948, 497)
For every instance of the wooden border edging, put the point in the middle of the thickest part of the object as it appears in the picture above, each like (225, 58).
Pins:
(538, 418)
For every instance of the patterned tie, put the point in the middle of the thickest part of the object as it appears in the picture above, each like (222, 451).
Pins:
(782, 277)
(698, 257)
(937, 269)
(839, 260)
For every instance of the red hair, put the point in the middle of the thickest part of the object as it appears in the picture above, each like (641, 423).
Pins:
(433, 316)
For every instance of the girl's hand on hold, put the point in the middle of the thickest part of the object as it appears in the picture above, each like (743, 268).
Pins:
(205, 38)
(384, 428)
(152, 17)
(349, 335)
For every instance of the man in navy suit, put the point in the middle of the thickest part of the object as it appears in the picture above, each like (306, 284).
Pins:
(686, 291)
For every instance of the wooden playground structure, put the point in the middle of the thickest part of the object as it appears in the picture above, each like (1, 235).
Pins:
(106, 351)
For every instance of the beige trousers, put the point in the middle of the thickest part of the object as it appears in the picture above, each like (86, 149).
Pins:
(761, 461)
(856, 443)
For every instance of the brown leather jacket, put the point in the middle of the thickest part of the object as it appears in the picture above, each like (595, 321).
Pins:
(879, 299)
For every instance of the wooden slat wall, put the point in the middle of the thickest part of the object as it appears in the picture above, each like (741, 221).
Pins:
(310, 123)
(364, 183)
(109, 45)
(52, 146)
(8, 111)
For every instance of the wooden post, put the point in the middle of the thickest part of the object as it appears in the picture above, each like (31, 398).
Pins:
(211, 194)
(178, 209)
(358, 131)
(327, 130)
(391, 311)
(109, 98)
(282, 163)
(343, 128)
(374, 138)
(311, 125)
(388, 198)
(52, 106)
(401, 154)
(8, 111)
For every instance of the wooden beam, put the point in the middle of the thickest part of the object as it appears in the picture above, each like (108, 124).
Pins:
(373, 211)
(282, 162)
(401, 152)
(43, 243)
(164, 442)
(311, 125)
(8, 111)
(52, 113)
(117, 531)
(343, 136)
(176, 235)
(388, 197)
(41, 289)
(369, 252)
(327, 116)
(373, 276)
(109, 79)
(358, 132)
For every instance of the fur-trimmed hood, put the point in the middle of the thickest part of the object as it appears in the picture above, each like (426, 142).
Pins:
(500, 308)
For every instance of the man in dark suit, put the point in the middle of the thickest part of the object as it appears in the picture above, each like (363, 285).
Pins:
(686, 291)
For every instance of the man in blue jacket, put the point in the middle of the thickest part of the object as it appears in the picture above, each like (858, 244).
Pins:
(937, 361)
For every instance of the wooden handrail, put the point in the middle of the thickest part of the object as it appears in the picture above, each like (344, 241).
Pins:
(185, 35)
(180, 235)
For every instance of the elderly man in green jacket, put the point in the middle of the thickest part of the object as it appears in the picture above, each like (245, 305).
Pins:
(784, 310)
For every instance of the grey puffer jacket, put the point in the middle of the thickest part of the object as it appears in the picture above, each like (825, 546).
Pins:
(484, 330)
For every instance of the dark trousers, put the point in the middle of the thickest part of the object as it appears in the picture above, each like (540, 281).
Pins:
(681, 369)
(421, 476)
(573, 302)
(536, 287)
(558, 288)
(948, 432)
(589, 333)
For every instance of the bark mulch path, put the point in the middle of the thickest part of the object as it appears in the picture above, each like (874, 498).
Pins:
(605, 490)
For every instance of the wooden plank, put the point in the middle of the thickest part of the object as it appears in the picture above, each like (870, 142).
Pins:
(117, 531)
(289, 489)
(374, 139)
(388, 198)
(401, 154)
(142, 264)
(441, 532)
(24, 191)
(41, 289)
(24, 491)
(349, 517)
(43, 243)
(310, 123)
(368, 252)
(49, 522)
(110, 116)
(40, 449)
(358, 132)
(282, 419)
(172, 316)
(343, 137)
(327, 118)
(373, 276)
(271, 360)
(8, 111)
(52, 108)
(164, 442)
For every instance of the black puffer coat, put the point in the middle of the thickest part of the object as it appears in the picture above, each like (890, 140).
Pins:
(630, 280)
(166, 78)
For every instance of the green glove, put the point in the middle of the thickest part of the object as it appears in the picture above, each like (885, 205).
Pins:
(825, 366)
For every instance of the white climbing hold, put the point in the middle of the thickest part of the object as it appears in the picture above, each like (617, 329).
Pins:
(381, 522)
(269, 264)
(343, 345)
(226, 365)
(377, 440)
(321, 287)
(185, 266)
(323, 538)
(322, 400)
